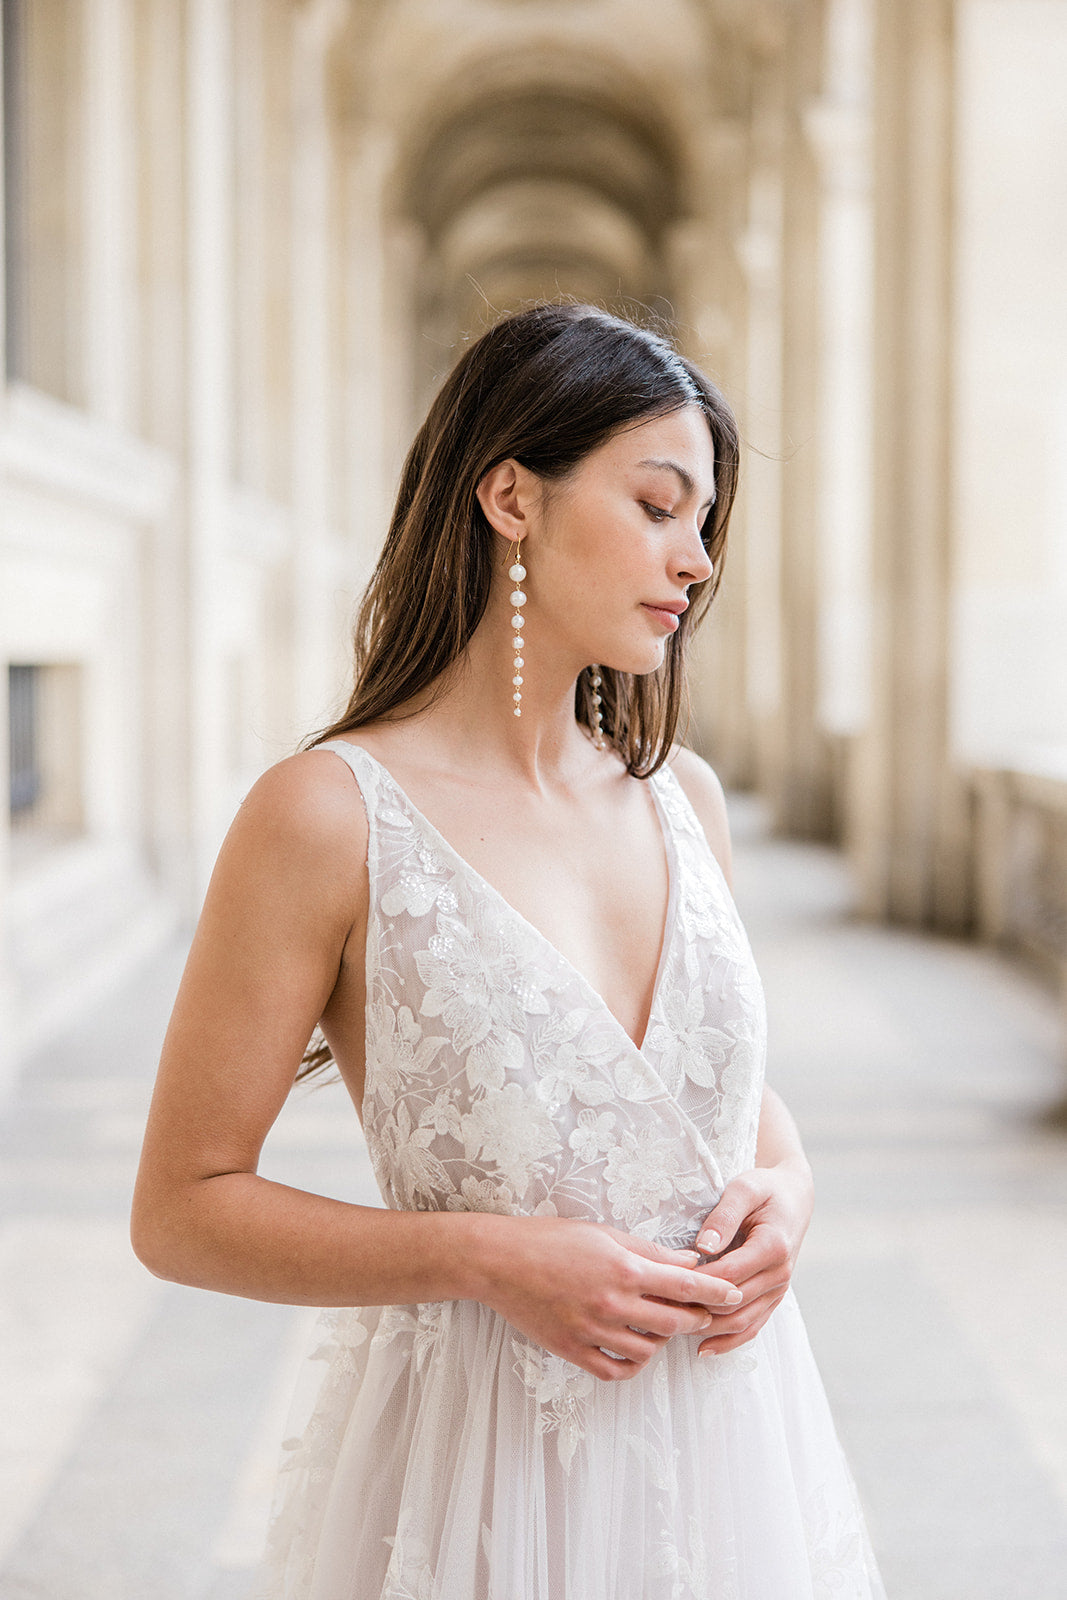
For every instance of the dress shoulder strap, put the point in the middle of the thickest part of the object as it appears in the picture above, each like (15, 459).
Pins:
(366, 773)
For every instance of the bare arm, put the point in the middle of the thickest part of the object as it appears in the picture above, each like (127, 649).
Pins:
(283, 922)
(762, 1215)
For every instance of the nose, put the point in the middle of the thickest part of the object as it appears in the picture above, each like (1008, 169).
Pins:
(692, 564)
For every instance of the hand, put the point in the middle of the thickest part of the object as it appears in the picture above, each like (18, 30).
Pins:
(579, 1289)
(754, 1234)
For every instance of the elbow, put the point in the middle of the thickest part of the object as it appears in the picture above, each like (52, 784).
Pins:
(150, 1245)
(159, 1244)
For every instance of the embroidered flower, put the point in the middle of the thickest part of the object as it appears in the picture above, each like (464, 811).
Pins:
(481, 1194)
(472, 970)
(641, 1171)
(685, 1043)
(442, 1115)
(510, 1131)
(415, 1175)
(560, 1391)
(593, 1135)
(397, 1049)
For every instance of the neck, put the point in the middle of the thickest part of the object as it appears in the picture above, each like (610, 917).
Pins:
(470, 717)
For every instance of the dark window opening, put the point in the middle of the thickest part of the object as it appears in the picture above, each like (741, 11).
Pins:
(24, 739)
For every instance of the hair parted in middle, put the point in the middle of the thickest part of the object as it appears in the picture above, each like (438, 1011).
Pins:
(545, 387)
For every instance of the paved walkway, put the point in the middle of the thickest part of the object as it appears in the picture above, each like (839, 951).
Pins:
(139, 1421)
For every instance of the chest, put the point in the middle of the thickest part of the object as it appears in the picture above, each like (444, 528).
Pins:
(594, 880)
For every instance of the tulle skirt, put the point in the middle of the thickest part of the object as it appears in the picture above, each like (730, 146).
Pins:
(439, 1455)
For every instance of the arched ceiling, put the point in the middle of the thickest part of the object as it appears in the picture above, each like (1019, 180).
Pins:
(568, 138)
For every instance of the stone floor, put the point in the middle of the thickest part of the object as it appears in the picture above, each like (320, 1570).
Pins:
(139, 1421)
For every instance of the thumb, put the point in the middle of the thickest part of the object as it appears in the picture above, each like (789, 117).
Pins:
(719, 1228)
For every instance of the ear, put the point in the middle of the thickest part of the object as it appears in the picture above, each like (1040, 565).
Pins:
(508, 494)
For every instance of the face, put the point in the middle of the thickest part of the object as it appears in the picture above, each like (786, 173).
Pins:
(618, 543)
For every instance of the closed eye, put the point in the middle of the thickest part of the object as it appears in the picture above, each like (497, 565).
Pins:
(657, 513)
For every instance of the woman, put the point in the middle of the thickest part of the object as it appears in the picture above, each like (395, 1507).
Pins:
(500, 890)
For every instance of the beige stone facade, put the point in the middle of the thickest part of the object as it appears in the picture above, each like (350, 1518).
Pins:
(243, 239)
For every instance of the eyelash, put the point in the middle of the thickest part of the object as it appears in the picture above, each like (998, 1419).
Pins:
(657, 513)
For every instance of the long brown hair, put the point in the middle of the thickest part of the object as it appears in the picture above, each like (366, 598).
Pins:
(544, 387)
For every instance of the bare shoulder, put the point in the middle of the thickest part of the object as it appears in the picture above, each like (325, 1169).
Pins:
(303, 826)
(705, 795)
(311, 799)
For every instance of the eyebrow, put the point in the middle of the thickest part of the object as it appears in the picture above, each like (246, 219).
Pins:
(672, 466)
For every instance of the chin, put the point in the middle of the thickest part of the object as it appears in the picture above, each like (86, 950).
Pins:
(639, 663)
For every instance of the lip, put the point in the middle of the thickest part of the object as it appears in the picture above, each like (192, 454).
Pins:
(667, 611)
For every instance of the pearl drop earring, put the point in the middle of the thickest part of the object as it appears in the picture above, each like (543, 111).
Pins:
(516, 572)
(598, 726)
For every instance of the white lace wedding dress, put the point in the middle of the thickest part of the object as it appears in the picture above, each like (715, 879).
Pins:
(440, 1454)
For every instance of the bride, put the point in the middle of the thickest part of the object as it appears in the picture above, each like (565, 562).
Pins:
(564, 1361)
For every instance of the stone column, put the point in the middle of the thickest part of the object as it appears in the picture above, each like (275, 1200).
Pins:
(209, 402)
(801, 783)
(911, 827)
(837, 125)
(315, 306)
(759, 250)
(109, 213)
(705, 275)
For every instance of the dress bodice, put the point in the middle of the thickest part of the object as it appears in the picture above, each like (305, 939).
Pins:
(497, 1079)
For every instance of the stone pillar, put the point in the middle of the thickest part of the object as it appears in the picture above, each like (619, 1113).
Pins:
(315, 308)
(912, 822)
(110, 232)
(837, 124)
(711, 296)
(801, 792)
(209, 403)
(759, 250)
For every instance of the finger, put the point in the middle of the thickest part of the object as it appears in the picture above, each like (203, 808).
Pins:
(720, 1227)
(764, 1251)
(632, 1345)
(674, 1283)
(768, 1286)
(658, 1252)
(666, 1320)
(731, 1332)
(608, 1369)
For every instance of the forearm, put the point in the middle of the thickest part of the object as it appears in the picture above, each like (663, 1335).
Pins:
(241, 1234)
(778, 1141)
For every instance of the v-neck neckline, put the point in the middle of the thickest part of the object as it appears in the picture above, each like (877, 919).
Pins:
(483, 882)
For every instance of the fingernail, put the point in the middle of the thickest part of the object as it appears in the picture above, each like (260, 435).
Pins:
(695, 1254)
(710, 1242)
(734, 1298)
(703, 1354)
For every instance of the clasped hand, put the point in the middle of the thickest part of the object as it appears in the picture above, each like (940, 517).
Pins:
(753, 1237)
(606, 1301)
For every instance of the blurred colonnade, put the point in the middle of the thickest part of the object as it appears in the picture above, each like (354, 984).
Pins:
(244, 239)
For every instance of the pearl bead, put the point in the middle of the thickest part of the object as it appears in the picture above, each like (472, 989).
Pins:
(519, 662)
(516, 680)
(516, 621)
(518, 711)
(518, 641)
(518, 572)
(516, 696)
(517, 598)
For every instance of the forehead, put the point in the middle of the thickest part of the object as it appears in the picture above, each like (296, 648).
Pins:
(681, 436)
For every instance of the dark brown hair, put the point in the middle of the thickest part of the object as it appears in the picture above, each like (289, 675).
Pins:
(544, 387)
